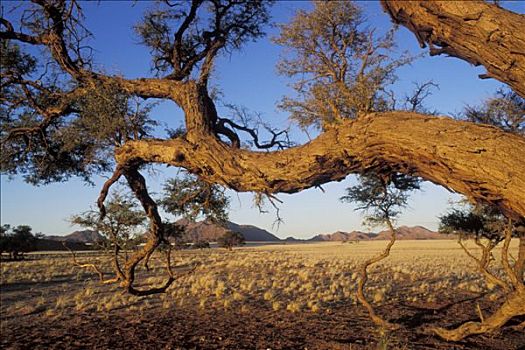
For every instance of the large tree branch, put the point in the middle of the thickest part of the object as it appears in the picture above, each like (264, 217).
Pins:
(11, 34)
(479, 161)
(474, 31)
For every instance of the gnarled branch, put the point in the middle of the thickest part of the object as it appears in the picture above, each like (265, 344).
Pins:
(475, 31)
(479, 161)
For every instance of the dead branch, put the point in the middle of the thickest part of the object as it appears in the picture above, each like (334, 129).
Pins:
(89, 265)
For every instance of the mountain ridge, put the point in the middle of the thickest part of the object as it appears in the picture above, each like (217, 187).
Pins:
(208, 231)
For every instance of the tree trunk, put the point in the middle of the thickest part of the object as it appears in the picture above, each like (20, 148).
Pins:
(474, 31)
(479, 161)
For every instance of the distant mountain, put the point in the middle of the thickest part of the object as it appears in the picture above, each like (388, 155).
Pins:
(412, 233)
(209, 231)
(85, 236)
(403, 233)
(253, 233)
(343, 236)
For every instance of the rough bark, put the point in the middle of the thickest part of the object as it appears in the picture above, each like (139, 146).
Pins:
(481, 162)
(475, 31)
(519, 266)
(137, 183)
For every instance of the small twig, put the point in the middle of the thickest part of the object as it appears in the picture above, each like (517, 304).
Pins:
(480, 313)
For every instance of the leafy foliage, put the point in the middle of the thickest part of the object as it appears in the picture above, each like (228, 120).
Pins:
(231, 239)
(475, 221)
(180, 35)
(47, 148)
(17, 240)
(192, 198)
(381, 197)
(121, 225)
(341, 65)
(505, 109)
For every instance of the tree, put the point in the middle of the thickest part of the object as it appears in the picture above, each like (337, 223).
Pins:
(38, 111)
(230, 239)
(120, 227)
(505, 110)
(380, 197)
(487, 226)
(343, 69)
(192, 198)
(201, 245)
(17, 240)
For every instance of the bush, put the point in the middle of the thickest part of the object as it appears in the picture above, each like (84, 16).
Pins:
(17, 240)
(231, 239)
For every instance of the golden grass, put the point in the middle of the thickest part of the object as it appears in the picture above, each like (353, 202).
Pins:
(293, 277)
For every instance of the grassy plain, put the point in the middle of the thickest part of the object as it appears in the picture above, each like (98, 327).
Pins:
(292, 296)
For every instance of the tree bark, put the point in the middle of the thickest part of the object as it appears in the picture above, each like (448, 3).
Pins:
(479, 161)
(475, 31)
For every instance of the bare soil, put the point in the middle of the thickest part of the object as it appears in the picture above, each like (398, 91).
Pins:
(259, 327)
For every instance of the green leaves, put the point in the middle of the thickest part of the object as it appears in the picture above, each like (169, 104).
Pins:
(478, 221)
(184, 35)
(505, 109)
(340, 66)
(192, 198)
(123, 223)
(380, 197)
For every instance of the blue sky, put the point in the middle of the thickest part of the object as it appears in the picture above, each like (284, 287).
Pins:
(248, 77)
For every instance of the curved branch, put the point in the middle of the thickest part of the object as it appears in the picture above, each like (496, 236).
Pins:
(363, 278)
(483, 265)
(119, 171)
(475, 31)
(137, 183)
(512, 307)
(482, 162)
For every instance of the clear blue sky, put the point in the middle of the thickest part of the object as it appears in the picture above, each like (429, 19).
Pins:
(249, 78)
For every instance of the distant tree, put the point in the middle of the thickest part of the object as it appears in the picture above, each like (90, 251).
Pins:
(475, 221)
(200, 244)
(487, 226)
(189, 197)
(231, 239)
(4, 239)
(121, 226)
(381, 198)
(17, 240)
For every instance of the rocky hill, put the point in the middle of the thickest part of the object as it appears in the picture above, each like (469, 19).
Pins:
(343, 236)
(85, 236)
(412, 233)
(208, 231)
(403, 233)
